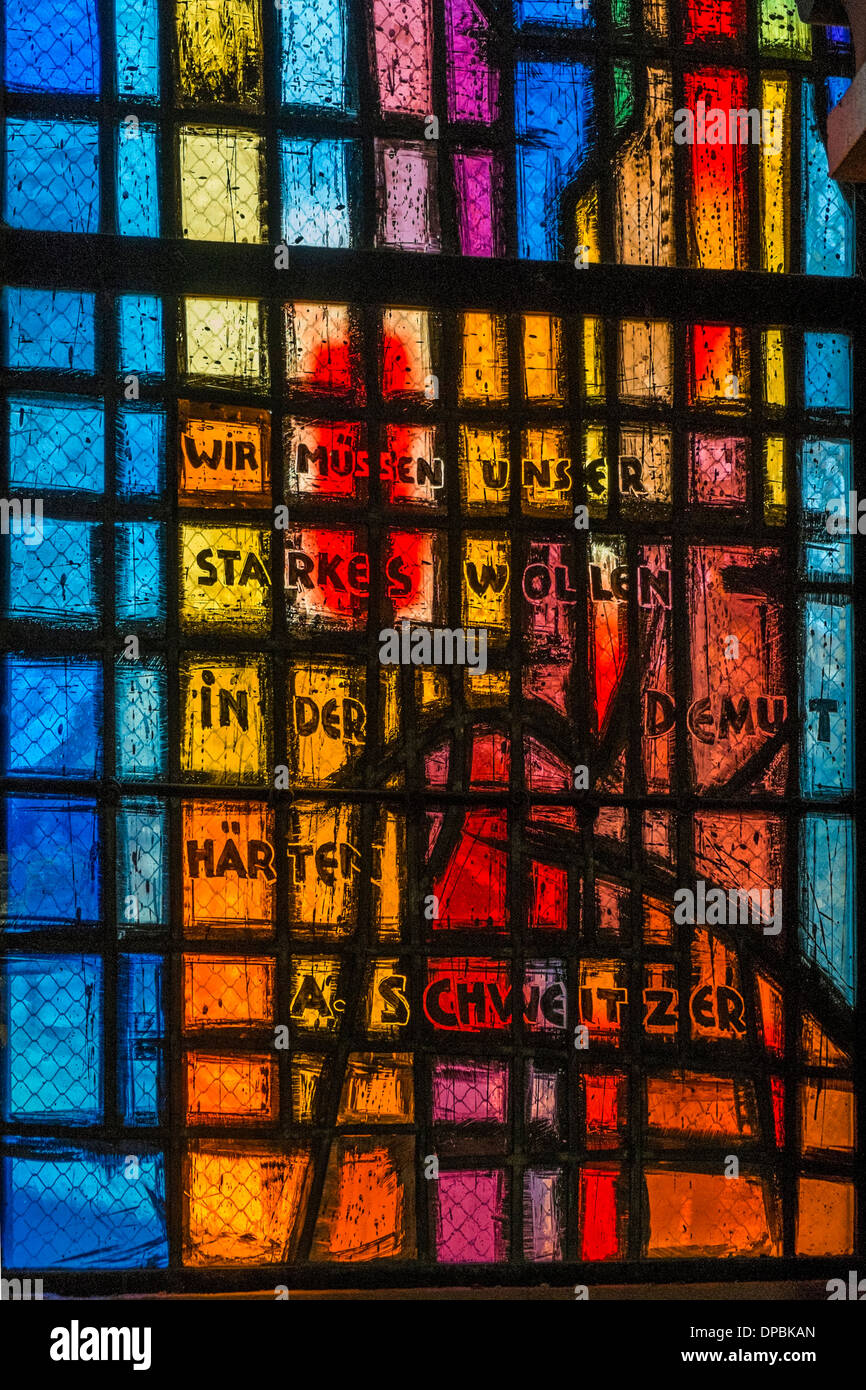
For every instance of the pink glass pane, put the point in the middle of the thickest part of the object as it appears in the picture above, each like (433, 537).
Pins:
(402, 40)
(408, 208)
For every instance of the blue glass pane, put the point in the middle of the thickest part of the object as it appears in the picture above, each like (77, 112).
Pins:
(137, 181)
(51, 47)
(136, 29)
(53, 862)
(140, 585)
(56, 581)
(827, 905)
(316, 176)
(49, 330)
(141, 1028)
(140, 452)
(55, 1039)
(314, 55)
(836, 87)
(57, 444)
(826, 751)
(142, 864)
(828, 221)
(140, 695)
(564, 14)
(825, 482)
(55, 716)
(838, 35)
(77, 1210)
(52, 178)
(140, 339)
(554, 116)
(827, 372)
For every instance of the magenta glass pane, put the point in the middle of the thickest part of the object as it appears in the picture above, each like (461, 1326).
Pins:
(478, 180)
(470, 1092)
(470, 1217)
(473, 83)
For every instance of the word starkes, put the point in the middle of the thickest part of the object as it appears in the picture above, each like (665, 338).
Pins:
(716, 907)
(438, 646)
(77, 1343)
(728, 127)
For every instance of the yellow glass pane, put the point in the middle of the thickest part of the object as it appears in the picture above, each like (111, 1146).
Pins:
(543, 366)
(327, 721)
(775, 489)
(774, 366)
(486, 582)
(221, 184)
(775, 174)
(219, 52)
(225, 340)
(389, 704)
(646, 361)
(316, 1005)
(595, 469)
(325, 863)
(546, 470)
(307, 1070)
(386, 1011)
(593, 359)
(225, 720)
(431, 688)
(489, 689)
(484, 362)
(484, 467)
(377, 1089)
(587, 247)
(243, 1208)
(225, 583)
(389, 874)
(655, 18)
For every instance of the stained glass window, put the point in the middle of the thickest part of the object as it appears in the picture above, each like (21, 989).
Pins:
(428, 680)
